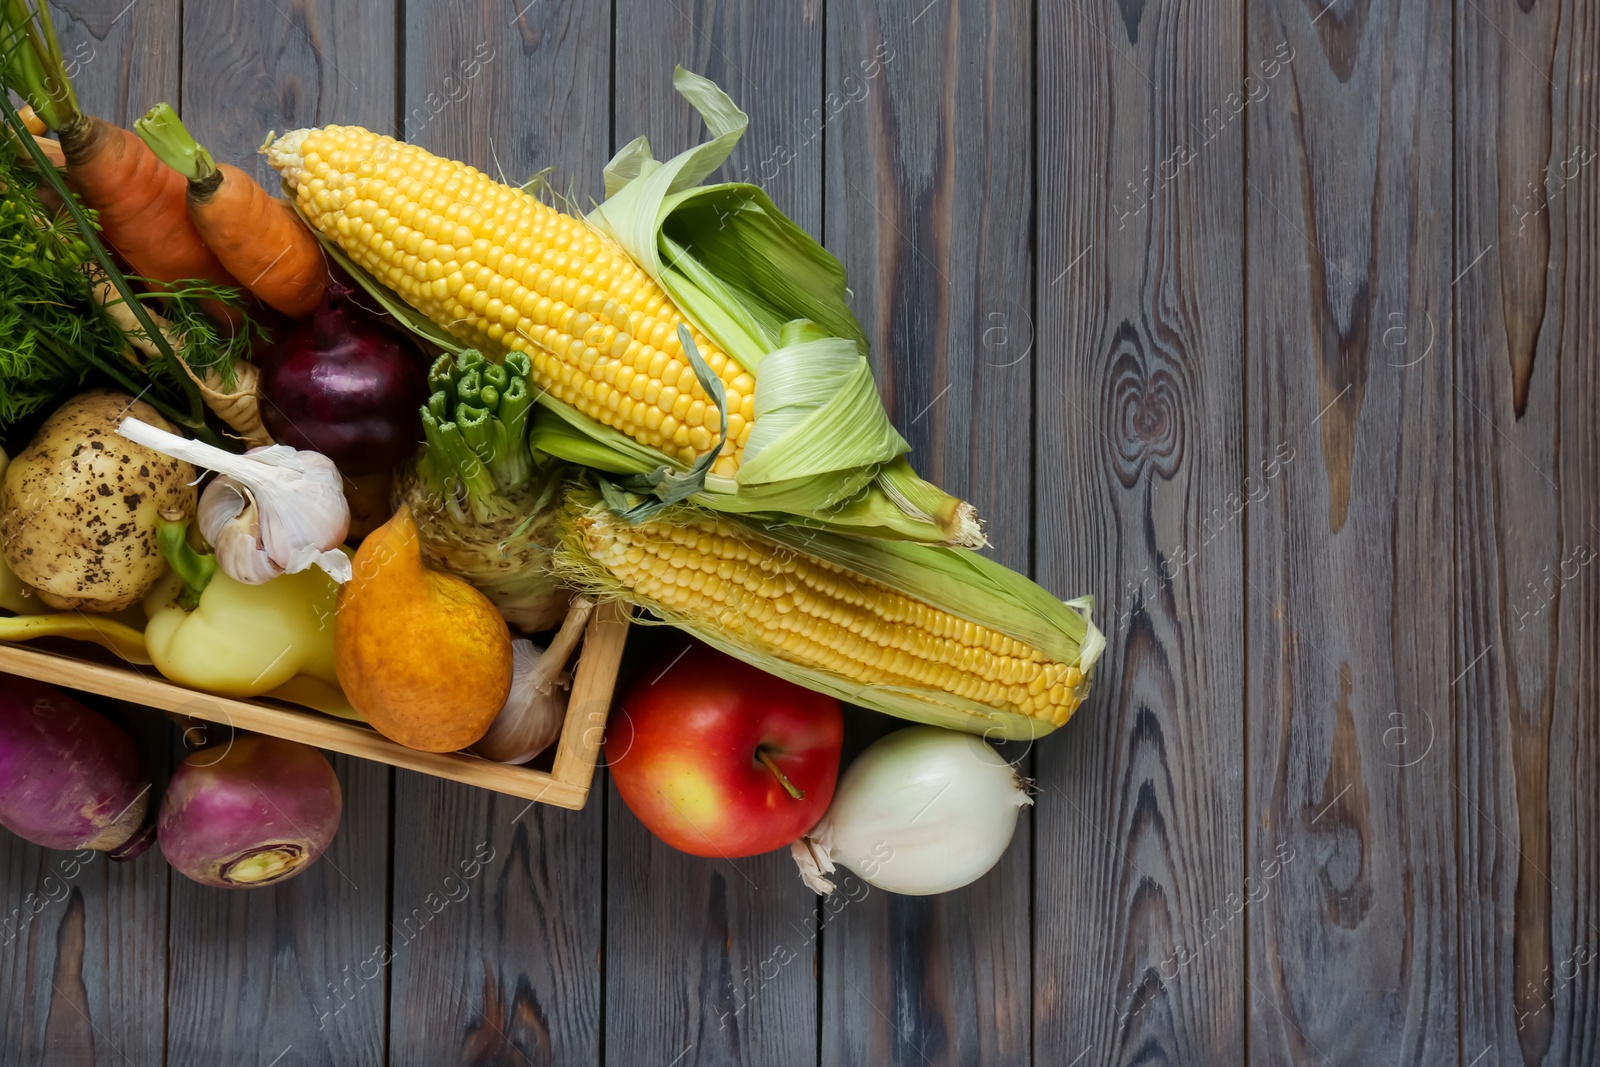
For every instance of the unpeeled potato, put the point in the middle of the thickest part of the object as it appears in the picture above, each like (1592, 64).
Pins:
(424, 657)
(80, 506)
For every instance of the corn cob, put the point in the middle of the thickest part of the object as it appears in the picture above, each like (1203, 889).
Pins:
(822, 624)
(505, 272)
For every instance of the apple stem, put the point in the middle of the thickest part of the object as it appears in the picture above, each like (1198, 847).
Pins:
(783, 779)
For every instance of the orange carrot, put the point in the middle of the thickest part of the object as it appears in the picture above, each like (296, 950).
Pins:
(141, 204)
(257, 236)
(262, 242)
(34, 123)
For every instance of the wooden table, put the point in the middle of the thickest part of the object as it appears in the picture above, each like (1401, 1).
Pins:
(1271, 323)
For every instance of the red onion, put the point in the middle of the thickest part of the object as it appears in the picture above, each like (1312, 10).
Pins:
(250, 813)
(346, 385)
(69, 778)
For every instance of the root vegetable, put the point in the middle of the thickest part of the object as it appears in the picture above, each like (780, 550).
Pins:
(253, 812)
(69, 778)
(257, 236)
(79, 508)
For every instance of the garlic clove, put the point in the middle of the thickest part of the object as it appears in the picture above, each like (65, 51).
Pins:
(536, 708)
(230, 522)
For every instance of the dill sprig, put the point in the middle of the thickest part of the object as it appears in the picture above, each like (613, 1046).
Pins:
(44, 331)
(55, 337)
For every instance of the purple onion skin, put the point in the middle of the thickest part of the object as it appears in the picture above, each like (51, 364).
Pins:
(348, 386)
(69, 778)
(231, 807)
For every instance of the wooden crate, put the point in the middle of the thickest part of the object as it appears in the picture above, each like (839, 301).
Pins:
(565, 785)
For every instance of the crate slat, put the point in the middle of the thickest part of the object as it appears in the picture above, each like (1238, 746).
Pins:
(566, 785)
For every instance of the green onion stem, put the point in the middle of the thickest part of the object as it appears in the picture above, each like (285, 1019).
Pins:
(468, 385)
(441, 378)
(513, 464)
(476, 424)
(477, 429)
(430, 466)
(516, 402)
(439, 406)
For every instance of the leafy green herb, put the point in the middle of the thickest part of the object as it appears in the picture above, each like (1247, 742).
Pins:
(44, 291)
(55, 337)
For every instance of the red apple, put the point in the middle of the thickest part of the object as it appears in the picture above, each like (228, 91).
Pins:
(717, 758)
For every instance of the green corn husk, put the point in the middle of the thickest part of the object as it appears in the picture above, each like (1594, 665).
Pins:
(823, 450)
(484, 511)
(954, 580)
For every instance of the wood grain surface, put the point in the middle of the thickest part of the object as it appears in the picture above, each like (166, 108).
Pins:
(1271, 323)
(1527, 191)
(716, 957)
(1140, 810)
(925, 124)
(1349, 599)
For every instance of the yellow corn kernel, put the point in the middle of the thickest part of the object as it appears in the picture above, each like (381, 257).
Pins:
(501, 270)
(818, 615)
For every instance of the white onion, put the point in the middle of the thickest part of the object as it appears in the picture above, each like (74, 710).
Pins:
(921, 811)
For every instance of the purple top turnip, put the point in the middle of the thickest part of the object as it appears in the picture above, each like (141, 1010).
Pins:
(69, 778)
(346, 385)
(251, 813)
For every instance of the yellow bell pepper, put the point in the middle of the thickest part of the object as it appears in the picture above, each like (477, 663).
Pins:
(213, 633)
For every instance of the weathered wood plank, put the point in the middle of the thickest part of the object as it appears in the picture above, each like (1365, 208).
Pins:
(1527, 530)
(251, 68)
(496, 905)
(495, 928)
(87, 975)
(927, 119)
(1141, 469)
(83, 939)
(713, 961)
(1348, 599)
(284, 971)
(274, 971)
(766, 57)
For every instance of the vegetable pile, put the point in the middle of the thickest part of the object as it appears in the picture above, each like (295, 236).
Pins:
(378, 446)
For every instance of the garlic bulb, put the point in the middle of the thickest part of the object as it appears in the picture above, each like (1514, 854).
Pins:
(921, 811)
(536, 707)
(276, 510)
